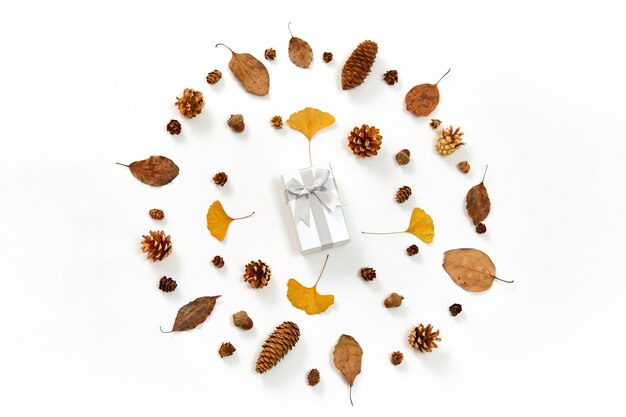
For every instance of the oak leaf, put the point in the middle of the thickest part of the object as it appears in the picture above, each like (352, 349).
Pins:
(477, 202)
(422, 99)
(308, 299)
(217, 221)
(347, 359)
(300, 52)
(309, 121)
(420, 225)
(155, 171)
(194, 313)
(250, 72)
(470, 269)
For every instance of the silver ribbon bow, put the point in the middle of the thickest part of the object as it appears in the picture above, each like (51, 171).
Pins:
(314, 188)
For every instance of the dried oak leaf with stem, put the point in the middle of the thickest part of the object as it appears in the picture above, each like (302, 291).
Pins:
(470, 269)
(250, 72)
(217, 221)
(155, 171)
(422, 99)
(420, 225)
(477, 201)
(309, 121)
(347, 358)
(300, 52)
(194, 313)
(308, 299)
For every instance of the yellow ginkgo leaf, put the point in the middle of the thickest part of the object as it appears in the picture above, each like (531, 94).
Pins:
(309, 121)
(308, 299)
(421, 225)
(217, 221)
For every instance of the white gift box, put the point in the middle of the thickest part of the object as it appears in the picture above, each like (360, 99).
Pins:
(313, 200)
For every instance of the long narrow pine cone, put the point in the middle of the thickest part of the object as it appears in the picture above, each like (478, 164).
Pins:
(191, 103)
(213, 77)
(368, 274)
(365, 141)
(423, 338)
(313, 377)
(167, 284)
(277, 345)
(257, 274)
(449, 140)
(403, 194)
(157, 245)
(218, 261)
(358, 66)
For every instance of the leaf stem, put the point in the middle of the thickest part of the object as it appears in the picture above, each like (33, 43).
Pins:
(216, 45)
(382, 233)
(485, 173)
(500, 279)
(163, 331)
(324, 267)
(310, 158)
(244, 217)
(124, 165)
(437, 83)
(288, 28)
(351, 403)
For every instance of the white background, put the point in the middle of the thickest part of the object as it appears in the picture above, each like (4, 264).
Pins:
(538, 88)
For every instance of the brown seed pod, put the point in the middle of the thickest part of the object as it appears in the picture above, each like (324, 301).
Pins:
(422, 99)
(394, 300)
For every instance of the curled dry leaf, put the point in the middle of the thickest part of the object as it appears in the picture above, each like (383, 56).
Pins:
(420, 225)
(347, 358)
(194, 313)
(217, 221)
(422, 99)
(155, 171)
(250, 72)
(470, 269)
(477, 202)
(308, 299)
(300, 52)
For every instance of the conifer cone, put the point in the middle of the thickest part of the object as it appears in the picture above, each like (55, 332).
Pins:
(481, 228)
(277, 122)
(434, 123)
(455, 309)
(449, 140)
(218, 261)
(365, 141)
(327, 57)
(412, 250)
(396, 358)
(213, 77)
(313, 377)
(242, 320)
(277, 345)
(156, 214)
(463, 166)
(191, 103)
(270, 54)
(174, 127)
(423, 338)
(368, 274)
(403, 194)
(358, 66)
(157, 245)
(257, 274)
(391, 77)
(226, 349)
(167, 284)
(220, 178)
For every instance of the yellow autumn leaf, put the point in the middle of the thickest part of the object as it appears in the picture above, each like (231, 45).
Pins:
(309, 121)
(217, 221)
(421, 225)
(308, 299)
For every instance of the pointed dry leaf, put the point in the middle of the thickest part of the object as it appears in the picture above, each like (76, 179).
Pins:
(421, 225)
(250, 72)
(194, 313)
(309, 121)
(347, 358)
(470, 269)
(217, 221)
(155, 171)
(477, 202)
(300, 52)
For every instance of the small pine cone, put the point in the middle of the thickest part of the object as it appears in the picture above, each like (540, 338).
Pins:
(174, 127)
(213, 77)
(358, 66)
(449, 141)
(368, 274)
(412, 250)
(403, 194)
(277, 122)
(455, 309)
(218, 261)
(394, 300)
(434, 123)
(236, 123)
(365, 141)
(463, 166)
(270, 54)
(242, 320)
(157, 245)
(191, 103)
(313, 377)
(391, 77)
(403, 157)
(226, 349)
(481, 228)
(220, 178)
(277, 345)
(167, 284)
(157, 214)
(257, 274)
(396, 358)
(423, 338)
(327, 57)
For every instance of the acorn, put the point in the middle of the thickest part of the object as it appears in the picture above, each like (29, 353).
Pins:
(236, 123)
(394, 300)
(241, 320)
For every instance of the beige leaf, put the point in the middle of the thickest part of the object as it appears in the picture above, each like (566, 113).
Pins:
(347, 358)
(250, 72)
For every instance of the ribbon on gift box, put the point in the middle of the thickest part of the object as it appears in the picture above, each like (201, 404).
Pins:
(312, 195)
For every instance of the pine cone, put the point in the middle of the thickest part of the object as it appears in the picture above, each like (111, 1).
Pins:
(313, 377)
(396, 358)
(220, 178)
(277, 122)
(191, 103)
(327, 57)
(167, 284)
(236, 123)
(365, 141)
(412, 250)
(455, 309)
(174, 127)
(403, 157)
(270, 54)
(157, 245)
(449, 141)
(423, 338)
(481, 228)
(391, 77)
(368, 274)
(277, 345)
(403, 194)
(463, 166)
(213, 77)
(218, 261)
(434, 123)
(157, 214)
(241, 320)
(226, 349)
(394, 300)
(257, 274)
(358, 66)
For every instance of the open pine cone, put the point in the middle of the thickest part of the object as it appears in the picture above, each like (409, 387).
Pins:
(157, 245)
(191, 103)
(423, 338)
(257, 274)
(449, 140)
(277, 345)
(365, 141)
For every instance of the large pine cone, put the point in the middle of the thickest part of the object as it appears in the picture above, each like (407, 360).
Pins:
(365, 141)
(257, 274)
(157, 245)
(358, 66)
(191, 103)
(423, 338)
(277, 345)
(449, 141)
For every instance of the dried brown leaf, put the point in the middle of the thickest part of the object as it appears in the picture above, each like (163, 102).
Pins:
(194, 313)
(250, 72)
(155, 171)
(422, 99)
(300, 52)
(470, 269)
(477, 202)
(347, 358)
